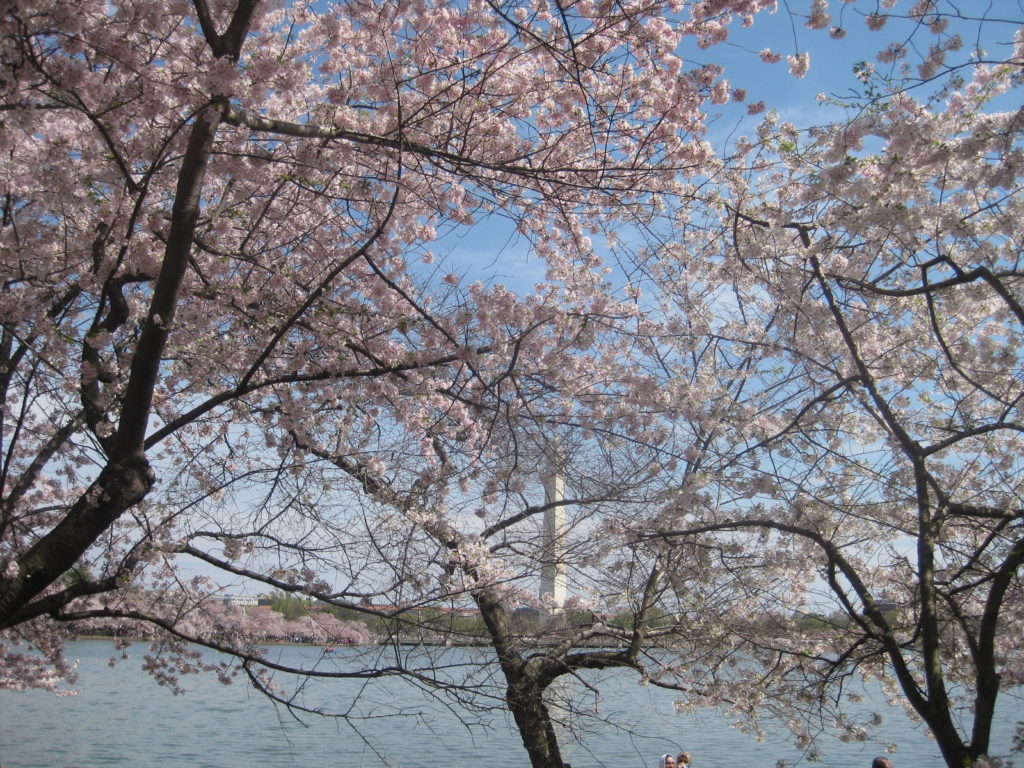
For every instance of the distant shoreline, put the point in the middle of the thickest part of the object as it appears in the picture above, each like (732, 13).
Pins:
(404, 643)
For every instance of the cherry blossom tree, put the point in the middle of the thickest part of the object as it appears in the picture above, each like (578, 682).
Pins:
(224, 346)
(851, 503)
(221, 342)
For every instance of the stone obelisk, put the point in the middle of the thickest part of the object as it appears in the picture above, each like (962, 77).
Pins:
(552, 570)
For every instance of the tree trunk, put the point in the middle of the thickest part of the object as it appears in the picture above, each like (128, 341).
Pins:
(127, 477)
(525, 699)
(950, 744)
(119, 486)
(525, 693)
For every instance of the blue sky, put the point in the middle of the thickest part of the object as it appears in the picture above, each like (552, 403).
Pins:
(492, 252)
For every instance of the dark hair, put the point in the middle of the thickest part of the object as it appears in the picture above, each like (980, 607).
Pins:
(881, 762)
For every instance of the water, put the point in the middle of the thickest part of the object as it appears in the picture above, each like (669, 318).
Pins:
(121, 719)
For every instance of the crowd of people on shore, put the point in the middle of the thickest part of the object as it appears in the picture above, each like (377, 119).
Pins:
(682, 760)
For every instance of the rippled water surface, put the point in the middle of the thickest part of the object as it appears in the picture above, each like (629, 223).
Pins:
(121, 719)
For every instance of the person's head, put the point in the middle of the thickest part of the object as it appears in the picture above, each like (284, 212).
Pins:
(667, 761)
(881, 762)
(683, 759)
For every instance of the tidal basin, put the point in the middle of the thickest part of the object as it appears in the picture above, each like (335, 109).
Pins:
(120, 718)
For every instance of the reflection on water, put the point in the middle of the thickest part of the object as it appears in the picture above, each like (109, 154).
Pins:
(121, 719)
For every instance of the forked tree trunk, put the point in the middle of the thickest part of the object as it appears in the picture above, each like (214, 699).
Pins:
(528, 678)
(525, 699)
(524, 695)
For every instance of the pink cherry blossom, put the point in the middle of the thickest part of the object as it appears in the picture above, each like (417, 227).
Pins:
(799, 64)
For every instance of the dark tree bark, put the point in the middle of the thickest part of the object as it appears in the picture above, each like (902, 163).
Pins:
(127, 478)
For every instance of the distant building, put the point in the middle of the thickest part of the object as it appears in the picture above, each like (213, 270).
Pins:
(243, 600)
(887, 605)
(527, 613)
(526, 619)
